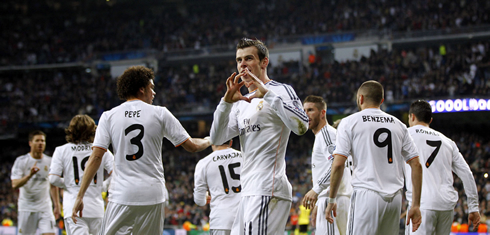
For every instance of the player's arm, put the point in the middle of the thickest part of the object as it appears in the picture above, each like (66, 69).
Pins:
(311, 197)
(337, 173)
(414, 214)
(225, 125)
(18, 180)
(56, 170)
(55, 197)
(108, 160)
(196, 144)
(463, 171)
(200, 185)
(91, 169)
(293, 116)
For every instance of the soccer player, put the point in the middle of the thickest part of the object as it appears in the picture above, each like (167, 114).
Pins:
(219, 173)
(135, 129)
(30, 176)
(321, 164)
(263, 119)
(67, 168)
(380, 145)
(441, 157)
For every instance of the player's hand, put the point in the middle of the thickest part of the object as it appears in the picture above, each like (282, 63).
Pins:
(415, 216)
(34, 169)
(309, 199)
(331, 207)
(233, 93)
(208, 198)
(57, 212)
(78, 207)
(313, 216)
(474, 218)
(261, 89)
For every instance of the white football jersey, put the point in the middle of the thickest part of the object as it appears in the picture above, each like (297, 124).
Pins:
(321, 164)
(136, 131)
(264, 126)
(440, 157)
(34, 195)
(380, 147)
(219, 172)
(69, 162)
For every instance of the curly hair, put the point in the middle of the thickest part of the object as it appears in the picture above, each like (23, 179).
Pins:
(262, 50)
(81, 129)
(133, 78)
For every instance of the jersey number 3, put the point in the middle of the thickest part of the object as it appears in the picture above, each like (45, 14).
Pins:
(233, 175)
(135, 141)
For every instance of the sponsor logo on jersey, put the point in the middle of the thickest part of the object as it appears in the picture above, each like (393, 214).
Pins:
(260, 106)
(249, 127)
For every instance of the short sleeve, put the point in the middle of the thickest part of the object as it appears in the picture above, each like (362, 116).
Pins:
(409, 150)
(343, 143)
(102, 134)
(173, 130)
(56, 167)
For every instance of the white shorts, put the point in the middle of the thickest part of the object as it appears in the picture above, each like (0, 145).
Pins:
(339, 226)
(83, 226)
(124, 219)
(259, 215)
(219, 232)
(29, 222)
(370, 213)
(433, 222)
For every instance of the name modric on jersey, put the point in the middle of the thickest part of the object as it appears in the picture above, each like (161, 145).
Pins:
(81, 148)
(226, 156)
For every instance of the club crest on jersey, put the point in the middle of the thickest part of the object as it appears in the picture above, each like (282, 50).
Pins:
(297, 105)
(45, 168)
(260, 105)
(331, 148)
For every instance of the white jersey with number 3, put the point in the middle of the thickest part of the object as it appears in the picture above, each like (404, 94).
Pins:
(69, 161)
(440, 157)
(219, 172)
(380, 147)
(136, 131)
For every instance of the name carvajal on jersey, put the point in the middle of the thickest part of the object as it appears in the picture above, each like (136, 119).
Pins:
(248, 127)
(378, 119)
(226, 156)
(81, 148)
(422, 131)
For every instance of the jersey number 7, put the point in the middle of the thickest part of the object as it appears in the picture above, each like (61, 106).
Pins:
(433, 143)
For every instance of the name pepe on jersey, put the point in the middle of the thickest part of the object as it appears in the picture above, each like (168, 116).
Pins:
(227, 156)
(132, 114)
(378, 119)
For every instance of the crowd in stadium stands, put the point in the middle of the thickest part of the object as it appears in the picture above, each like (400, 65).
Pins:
(47, 33)
(179, 172)
(426, 72)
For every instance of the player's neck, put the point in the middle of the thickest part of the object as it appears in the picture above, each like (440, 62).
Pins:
(415, 123)
(221, 147)
(321, 124)
(36, 155)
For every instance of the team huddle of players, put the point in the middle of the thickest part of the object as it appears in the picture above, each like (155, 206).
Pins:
(248, 191)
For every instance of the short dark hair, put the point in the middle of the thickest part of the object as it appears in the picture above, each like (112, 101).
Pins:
(422, 111)
(317, 100)
(133, 78)
(81, 129)
(262, 50)
(34, 133)
(373, 92)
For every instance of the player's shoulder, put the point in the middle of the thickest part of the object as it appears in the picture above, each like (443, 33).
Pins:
(22, 158)
(281, 89)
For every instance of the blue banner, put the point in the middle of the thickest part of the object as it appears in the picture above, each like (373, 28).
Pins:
(311, 40)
